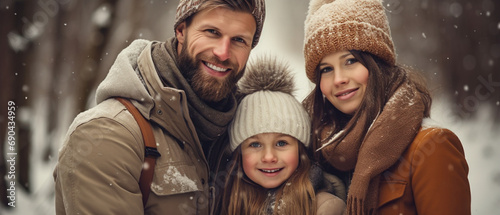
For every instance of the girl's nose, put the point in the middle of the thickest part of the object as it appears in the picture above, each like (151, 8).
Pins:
(269, 156)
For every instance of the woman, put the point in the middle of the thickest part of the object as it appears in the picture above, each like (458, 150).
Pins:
(370, 117)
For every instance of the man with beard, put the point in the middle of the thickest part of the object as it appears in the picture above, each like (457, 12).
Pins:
(184, 88)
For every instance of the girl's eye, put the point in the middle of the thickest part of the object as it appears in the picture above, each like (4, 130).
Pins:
(351, 61)
(254, 145)
(281, 143)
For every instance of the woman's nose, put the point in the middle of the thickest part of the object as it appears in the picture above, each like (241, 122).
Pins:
(340, 78)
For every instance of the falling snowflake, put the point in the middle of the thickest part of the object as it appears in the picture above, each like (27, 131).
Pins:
(17, 42)
(456, 9)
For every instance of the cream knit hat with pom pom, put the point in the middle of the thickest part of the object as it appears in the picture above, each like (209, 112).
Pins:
(268, 105)
(336, 25)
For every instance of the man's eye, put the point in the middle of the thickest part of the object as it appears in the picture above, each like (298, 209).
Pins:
(240, 40)
(212, 31)
(281, 143)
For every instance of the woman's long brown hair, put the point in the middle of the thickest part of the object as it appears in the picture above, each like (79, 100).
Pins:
(244, 197)
(383, 81)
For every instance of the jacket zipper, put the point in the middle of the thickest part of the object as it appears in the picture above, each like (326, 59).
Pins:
(192, 135)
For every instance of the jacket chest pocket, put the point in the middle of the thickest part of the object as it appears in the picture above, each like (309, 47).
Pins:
(175, 178)
(175, 171)
(178, 189)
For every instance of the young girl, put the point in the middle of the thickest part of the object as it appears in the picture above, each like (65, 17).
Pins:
(271, 170)
(368, 117)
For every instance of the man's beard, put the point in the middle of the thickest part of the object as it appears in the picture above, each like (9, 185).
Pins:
(208, 88)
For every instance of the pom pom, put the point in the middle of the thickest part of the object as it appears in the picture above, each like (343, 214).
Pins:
(266, 73)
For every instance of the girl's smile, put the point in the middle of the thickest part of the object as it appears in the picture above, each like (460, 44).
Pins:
(269, 159)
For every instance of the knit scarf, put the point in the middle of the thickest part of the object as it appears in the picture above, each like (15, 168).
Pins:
(210, 122)
(385, 141)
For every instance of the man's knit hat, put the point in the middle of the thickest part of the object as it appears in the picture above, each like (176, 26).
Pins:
(336, 25)
(268, 105)
(186, 8)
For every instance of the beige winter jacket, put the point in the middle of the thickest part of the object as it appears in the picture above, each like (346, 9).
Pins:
(331, 196)
(329, 204)
(100, 162)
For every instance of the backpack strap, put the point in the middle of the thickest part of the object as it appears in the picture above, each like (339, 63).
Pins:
(151, 153)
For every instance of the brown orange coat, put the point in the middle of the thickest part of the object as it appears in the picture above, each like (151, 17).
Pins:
(430, 177)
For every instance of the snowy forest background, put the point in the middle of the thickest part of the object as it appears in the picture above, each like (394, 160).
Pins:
(54, 53)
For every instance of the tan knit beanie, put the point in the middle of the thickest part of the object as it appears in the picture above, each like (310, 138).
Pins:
(268, 105)
(336, 25)
(186, 8)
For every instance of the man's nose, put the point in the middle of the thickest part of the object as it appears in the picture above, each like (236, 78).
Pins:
(222, 50)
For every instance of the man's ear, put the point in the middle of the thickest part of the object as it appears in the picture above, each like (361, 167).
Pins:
(180, 32)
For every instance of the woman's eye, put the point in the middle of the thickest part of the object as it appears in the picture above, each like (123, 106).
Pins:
(281, 143)
(254, 145)
(351, 61)
(325, 70)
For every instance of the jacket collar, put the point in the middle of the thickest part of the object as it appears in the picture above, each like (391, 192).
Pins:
(169, 109)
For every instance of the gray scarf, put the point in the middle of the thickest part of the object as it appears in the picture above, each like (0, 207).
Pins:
(210, 122)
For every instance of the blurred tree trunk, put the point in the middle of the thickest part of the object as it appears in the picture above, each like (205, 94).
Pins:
(7, 94)
(80, 43)
(456, 44)
(14, 77)
(68, 48)
(49, 77)
(65, 51)
(471, 53)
